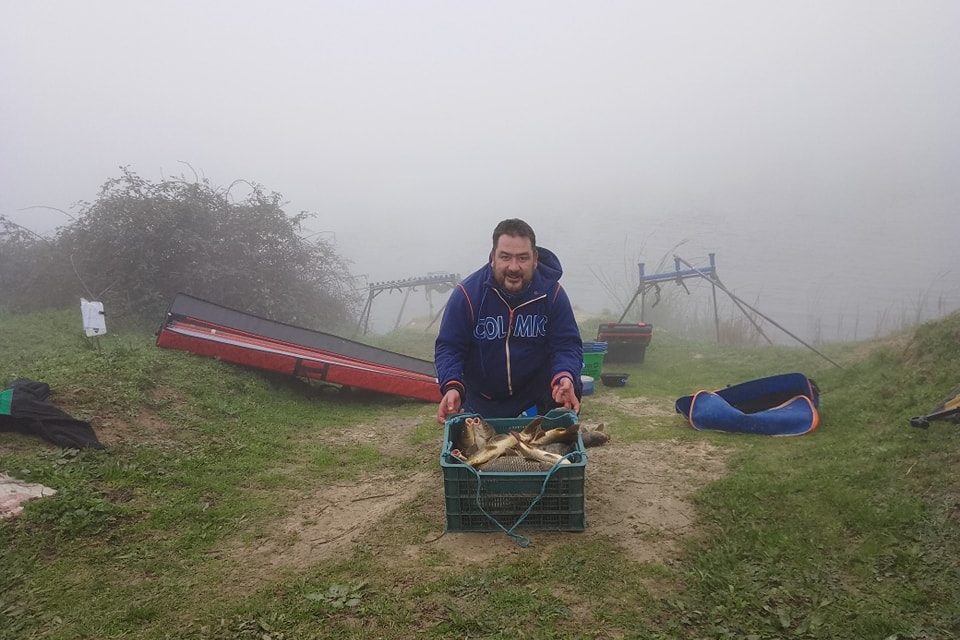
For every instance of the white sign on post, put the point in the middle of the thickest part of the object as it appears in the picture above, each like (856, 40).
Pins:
(94, 323)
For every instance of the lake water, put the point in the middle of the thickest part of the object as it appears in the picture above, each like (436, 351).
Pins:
(825, 276)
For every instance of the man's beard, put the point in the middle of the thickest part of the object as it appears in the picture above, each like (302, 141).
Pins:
(519, 283)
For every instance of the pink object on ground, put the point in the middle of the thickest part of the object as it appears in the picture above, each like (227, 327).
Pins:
(13, 493)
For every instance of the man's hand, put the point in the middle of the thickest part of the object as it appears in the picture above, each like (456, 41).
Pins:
(564, 395)
(449, 405)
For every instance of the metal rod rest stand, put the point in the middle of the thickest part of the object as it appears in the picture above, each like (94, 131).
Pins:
(765, 317)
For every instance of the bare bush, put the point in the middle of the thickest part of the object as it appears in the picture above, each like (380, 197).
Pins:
(141, 242)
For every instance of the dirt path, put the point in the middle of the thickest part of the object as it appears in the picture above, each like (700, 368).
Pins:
(638, 494)
(326, 523)
(637, 497)
(638, 407)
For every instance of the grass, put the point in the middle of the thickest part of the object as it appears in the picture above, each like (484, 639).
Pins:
(850, 532)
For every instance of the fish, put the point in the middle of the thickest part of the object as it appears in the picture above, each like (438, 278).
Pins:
(532, 431)
(560, 434)
(594, 437)
(474, 435)
(496, 447)
(533, 453)
(559, 448)
(529, 449)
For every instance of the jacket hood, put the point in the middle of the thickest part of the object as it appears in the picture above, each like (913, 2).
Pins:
(548, 265)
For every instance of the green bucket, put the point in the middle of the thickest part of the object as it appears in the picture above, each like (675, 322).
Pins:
(592, 363)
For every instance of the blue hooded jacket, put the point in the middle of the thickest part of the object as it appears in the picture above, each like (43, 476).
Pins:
(503, 352)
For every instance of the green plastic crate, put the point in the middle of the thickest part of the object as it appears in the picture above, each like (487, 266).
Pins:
(506, 495)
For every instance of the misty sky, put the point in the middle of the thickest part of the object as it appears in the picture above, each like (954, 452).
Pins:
(814, 146)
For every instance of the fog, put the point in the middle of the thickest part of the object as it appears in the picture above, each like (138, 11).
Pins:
(813, 146)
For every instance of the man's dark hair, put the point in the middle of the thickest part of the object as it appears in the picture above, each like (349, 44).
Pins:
(517, 228)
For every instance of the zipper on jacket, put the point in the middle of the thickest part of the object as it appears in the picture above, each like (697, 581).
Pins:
(506, 342)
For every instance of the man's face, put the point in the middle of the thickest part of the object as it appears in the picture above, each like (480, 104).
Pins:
(514, 261)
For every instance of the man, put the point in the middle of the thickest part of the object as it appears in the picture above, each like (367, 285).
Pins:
(508, 341)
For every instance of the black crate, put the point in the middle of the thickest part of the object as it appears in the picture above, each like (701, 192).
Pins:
(625, 342)
(507, 495)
